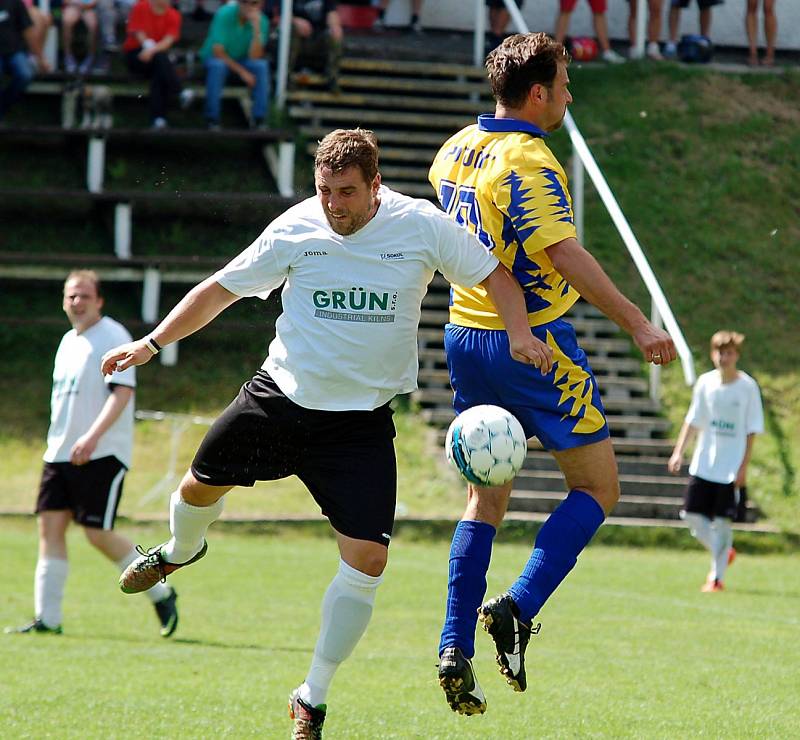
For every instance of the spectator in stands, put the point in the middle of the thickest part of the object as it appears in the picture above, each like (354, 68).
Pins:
(72, 12)
(317, 33)
(726, 413)
(89, 445)
(235, 43)
(414, 24)
(41, 25)
(16, 30)
(770, 31)
(652, 50)
(153, 27)
(704, 6)
(498, 22)
(111, 13)
(600, 27)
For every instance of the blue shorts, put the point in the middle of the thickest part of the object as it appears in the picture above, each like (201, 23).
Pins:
(563, 408)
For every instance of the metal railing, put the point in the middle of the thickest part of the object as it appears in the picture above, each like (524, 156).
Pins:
(583, 161)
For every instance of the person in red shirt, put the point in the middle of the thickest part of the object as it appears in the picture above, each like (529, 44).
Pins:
(153, 27)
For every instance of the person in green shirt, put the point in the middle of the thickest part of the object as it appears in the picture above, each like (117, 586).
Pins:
(236, 43)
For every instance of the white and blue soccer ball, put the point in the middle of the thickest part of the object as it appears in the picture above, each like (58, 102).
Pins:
(486, 445)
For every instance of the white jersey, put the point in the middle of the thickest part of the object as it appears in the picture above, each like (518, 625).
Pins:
(80, 391)
(347, 337)
(724, 414)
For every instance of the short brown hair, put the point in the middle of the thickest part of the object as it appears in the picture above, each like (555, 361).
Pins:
(89, 275)
(343, 148)
(522, 61)
(725, 338)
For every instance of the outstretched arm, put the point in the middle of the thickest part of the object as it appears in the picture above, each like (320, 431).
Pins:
(585, 274)
(509, 300)
(198, 307)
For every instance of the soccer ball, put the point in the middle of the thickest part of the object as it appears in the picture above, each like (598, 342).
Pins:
(486, 444)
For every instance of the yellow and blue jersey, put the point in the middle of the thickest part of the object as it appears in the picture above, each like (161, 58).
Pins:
(500, 180)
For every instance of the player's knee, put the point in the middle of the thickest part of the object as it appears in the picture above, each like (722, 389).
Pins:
(95, 537)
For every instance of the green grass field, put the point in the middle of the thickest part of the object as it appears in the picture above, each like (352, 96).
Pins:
(629, 648)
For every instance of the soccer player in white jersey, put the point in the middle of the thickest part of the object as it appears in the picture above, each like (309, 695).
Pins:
(354, 262)
(725, 415)
(89, 446)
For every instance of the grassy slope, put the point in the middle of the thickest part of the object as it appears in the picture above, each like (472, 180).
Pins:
(704, 166)
(629, 648)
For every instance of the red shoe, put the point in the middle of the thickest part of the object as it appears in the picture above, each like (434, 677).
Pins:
(712, 586)
(731, 555)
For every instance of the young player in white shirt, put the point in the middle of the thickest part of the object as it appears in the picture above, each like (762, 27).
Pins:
(726, 413)
(354, 262)
(89, 446)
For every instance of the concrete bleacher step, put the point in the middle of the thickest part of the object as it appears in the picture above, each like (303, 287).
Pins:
(386, 136)
(653, 508)
(626, 464)
(621, 425)
(423, 157)
(358, 117)
(442, 87)
(427, 396)
(420, 70)
(630, 484)
(386, 102)
(617, 387)
(414, 189)
(433, 338)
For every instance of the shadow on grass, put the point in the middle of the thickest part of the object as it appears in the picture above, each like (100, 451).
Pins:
(769, 593)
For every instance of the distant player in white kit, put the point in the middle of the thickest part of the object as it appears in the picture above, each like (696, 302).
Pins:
(355, 262)
(726, 412)
(89, 446)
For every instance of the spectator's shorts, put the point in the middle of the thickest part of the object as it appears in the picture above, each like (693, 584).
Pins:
(597, 6)
(563, 408)
(501, 4)
(91, 491)
(711, 499)
(702, 4)
(345, 458)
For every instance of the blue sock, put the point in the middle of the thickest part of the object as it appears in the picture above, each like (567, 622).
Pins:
(559, 542)
(470, 553)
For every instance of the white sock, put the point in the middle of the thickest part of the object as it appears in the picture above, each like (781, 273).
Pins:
(722, 532)
(346, 611)
(700, 527)
(159, 592)
(188, 525)
(48, 589)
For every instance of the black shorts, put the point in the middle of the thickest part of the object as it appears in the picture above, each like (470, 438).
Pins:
(711, 499)
(91, 491)
(345, 458)
(702, 4)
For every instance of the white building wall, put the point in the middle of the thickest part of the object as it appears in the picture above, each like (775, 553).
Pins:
(727, 26)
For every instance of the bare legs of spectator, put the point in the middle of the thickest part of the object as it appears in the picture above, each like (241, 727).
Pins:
(770, 31)
(653, 27)
(600, 28)
(70, 15)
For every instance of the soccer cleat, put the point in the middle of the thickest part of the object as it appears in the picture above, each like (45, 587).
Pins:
(37, 625)
(712, 586)
(457, 679)
(167, 614)
(308, 720)
(147, 570)
(731, 555)
(500, 618)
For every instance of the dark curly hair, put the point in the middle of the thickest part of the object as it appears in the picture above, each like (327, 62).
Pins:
(521, 61)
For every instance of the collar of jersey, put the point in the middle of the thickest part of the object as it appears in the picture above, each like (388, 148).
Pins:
(488, 122)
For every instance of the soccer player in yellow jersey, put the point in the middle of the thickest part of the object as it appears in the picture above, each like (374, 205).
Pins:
(499, 179)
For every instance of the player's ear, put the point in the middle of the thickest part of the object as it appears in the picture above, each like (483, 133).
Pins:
(376, 183)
